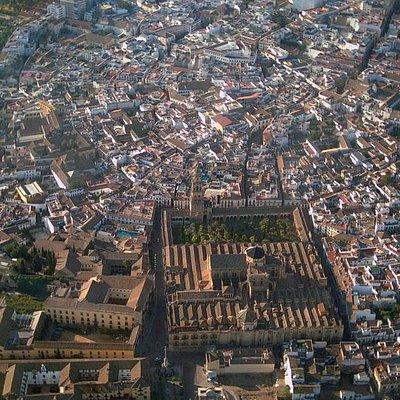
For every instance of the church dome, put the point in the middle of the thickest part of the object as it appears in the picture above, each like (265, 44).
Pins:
(255, 252)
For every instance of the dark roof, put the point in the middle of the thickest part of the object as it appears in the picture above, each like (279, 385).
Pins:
(255, 252)
(6, 324)
(247, 316)
(223, 261)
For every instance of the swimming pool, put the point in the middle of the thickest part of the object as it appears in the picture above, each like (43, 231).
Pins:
(122, 233)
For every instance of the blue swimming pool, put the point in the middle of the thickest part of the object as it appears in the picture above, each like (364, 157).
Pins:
(122, 233)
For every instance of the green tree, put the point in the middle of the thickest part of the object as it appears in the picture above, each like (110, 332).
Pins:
(20, 266)
(23, 304)
(16, 250)
(265, 226)
(37, 263)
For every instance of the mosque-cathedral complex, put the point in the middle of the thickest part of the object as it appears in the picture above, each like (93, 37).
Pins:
(242, 294)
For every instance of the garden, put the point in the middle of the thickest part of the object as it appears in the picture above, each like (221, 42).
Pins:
(259, 230)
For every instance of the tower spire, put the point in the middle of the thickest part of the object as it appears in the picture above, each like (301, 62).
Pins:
(196, 204)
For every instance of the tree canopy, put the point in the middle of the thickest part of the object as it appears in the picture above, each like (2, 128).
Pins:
(253, 231)
(20, 5)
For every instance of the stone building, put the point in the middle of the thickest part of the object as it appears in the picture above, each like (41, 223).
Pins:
(75, 379)
(104, 301)
(238, 295)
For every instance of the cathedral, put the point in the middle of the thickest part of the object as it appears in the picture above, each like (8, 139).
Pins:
(251, 275)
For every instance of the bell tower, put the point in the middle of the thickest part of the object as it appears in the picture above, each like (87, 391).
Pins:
(196, 202)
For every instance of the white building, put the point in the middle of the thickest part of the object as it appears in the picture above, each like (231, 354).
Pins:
(56, 10)
(303, 5)
(74, 8)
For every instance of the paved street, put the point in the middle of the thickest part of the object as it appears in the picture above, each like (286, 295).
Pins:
(154, 334)
(193, 375)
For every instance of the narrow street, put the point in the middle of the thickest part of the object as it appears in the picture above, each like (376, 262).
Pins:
(154, 333)
(335, 290)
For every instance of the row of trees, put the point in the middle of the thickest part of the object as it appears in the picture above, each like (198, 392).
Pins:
(33, 285)
(256, 231)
